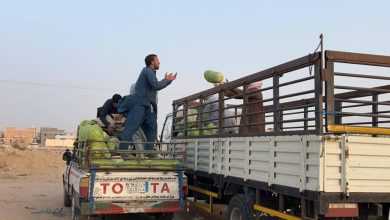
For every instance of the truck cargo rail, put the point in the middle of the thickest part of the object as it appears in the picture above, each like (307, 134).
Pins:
(106, 155)
(307, 139)
(302, 96)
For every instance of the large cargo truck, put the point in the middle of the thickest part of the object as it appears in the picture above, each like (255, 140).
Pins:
(313, 142)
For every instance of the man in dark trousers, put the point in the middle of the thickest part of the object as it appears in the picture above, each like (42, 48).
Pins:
(67, 156)
(105, 112)
(144, 111)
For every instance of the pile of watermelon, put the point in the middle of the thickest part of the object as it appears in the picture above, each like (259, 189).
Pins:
(99, 142)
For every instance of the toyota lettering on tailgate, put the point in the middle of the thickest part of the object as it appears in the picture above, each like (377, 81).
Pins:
(117, 188)
(135, 188)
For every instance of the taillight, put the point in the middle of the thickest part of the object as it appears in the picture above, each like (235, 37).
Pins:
(84, 185)
(342, 210)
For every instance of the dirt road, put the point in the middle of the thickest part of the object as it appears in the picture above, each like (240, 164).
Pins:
(31, 187)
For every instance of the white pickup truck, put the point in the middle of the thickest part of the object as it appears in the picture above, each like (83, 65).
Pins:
(116, 186)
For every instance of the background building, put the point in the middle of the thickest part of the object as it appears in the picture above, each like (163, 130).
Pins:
(19, 135)
(49, 133)
(1, 137)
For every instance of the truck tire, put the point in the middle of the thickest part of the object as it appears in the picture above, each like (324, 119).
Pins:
(67, 200)
(76, 214)
(239, 209)
(164, 216)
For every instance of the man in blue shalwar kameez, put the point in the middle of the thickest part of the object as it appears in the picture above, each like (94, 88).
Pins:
(143, 113)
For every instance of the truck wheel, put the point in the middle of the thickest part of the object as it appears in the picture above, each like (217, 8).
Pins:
(239, 209)
(67, 200)
(76, 214)
(165, 216)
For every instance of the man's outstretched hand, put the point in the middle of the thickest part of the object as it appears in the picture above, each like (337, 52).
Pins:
(170, 76)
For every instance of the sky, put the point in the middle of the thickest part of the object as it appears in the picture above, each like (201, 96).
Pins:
(60, 60)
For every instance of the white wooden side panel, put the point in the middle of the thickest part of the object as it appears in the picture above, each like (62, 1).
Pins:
(316, 163)
(273, 160)
(237, 162)
(312, 167)
(260, 159)
(368, 160)
(190, 153)
(332, 165)
(288, 159)
(357, 164)
(203, 155)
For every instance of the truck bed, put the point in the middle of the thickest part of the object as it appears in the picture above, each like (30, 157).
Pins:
(322, 163)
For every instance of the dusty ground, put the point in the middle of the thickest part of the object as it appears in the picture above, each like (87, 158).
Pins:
(31, 187)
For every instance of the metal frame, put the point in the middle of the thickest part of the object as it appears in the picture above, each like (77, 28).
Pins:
(327, 111)
(211, 196)
(297, 115)
(83, 152)
(275, 111)
(335, 104)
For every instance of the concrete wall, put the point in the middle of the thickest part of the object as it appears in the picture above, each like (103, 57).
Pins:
(59, 143)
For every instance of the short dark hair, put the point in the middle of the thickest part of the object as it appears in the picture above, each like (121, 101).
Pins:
(149, 59)
(116, 98)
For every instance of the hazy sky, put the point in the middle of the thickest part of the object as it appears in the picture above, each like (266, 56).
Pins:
(60, 60)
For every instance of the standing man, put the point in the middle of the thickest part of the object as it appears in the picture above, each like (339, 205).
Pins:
(144, 112)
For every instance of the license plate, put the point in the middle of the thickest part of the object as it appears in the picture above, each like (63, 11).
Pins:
(136, 187)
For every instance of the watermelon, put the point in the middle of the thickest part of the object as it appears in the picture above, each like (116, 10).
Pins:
(211, 129)
(193, 115)
(193, 133)
(86, 122)
(213, 76)
(112, 143)
(99, 150)
(192, 122)
(91, 132)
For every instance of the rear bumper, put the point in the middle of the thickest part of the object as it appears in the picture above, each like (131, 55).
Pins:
(108, 207)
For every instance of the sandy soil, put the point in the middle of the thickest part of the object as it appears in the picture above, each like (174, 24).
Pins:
(31, 187)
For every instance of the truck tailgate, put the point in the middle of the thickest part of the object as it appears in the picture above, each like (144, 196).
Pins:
(136, 186)
(357, 164)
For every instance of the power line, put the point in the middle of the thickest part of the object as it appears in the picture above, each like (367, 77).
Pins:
(40, 84)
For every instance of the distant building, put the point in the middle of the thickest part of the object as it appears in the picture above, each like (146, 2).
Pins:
(1, 137)
(49, 133)
(60, 141)
(19, 135)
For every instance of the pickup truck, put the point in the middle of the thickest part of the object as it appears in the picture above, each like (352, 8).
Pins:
(125, 182)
